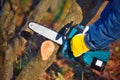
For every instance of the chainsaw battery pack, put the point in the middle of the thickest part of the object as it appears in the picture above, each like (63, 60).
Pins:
(98, 64)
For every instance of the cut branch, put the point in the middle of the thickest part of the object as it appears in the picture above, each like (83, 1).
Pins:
(36, 67)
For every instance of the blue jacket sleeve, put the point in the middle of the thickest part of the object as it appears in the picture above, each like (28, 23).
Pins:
(106, 29)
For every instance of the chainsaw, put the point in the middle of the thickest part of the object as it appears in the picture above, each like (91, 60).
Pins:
(63, 37)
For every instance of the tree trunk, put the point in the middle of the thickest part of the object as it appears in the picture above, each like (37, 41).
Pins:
(7, 28)
(38, 65)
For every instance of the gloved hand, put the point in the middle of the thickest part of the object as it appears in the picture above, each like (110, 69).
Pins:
(66, 48)
(77, 43)
(78, 46)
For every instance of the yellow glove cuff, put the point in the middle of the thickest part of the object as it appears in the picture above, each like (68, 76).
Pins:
(78, 45)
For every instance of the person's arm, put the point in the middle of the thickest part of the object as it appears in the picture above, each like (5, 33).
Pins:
(100, 34)
(106, 29)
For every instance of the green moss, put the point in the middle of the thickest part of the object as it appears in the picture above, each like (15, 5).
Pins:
(25, 1)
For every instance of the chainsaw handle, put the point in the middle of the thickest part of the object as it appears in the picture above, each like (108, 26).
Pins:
(66, 49)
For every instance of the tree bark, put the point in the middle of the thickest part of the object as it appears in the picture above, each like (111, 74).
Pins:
(7, 28)
(37, 66)
(38, 13)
